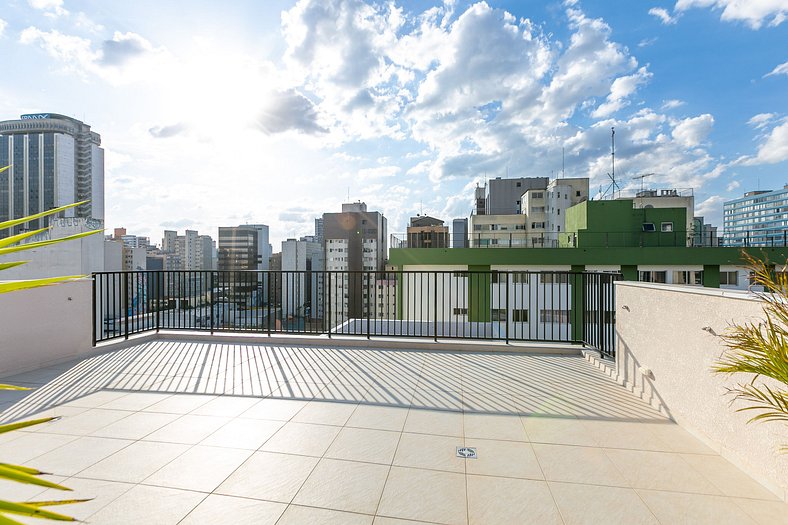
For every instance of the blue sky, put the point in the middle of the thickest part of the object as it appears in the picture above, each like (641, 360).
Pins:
(276, 111)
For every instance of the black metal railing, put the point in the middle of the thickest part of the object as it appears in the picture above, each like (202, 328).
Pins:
(573, 307)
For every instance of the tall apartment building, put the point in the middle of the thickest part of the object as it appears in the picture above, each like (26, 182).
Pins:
(459, 233)
(190, 251)
(759, 218)
(56, 160)
(427, 232)
(303, 278)
(355, 241)
(244, 247)
(503, 196)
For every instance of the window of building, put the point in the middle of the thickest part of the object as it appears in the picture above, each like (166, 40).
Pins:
(553, 278)
(655, 276)
(520, 316)
(554, 316)
(519, 184)
(460, 311)
(521, 278)
(649, 227)
(558, 194)
(460, 275)
(729, 278)
(666, 227)
(577, 193)
(538, 195)
(558, 211)
(498, 314)
(694, 278)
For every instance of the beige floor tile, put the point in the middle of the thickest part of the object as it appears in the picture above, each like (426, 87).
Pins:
(577, 465)
(489, 402)
(274, 477)
(378, 417)
(135, 462)
(188, 429)
(728, 478)
(429, 452)
(302, 438)
(486, 426)
(659, 471)
(199, 468)
(135, 401)
(382, 520)
(425, 495)
(325, 413)
(81, 424)
(77, 455)
(136, 426)
(180, 403)
(561, 431)
(693, 509)
(503, 458)
(148, 505)
(437, 400)
(434, 422)
(344, 485)
(505, 501)
(30, 445)
(625, 434)
(764, 512)
(362, 444)
(592, 504)
(95, 399)
(13, 491)
(296, 515)
(676, 439)
(217, 509)
(243, 433)
(227, 406)
(277, 409)
(100, 493)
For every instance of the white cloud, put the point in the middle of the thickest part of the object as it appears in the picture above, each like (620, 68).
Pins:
(672, 104)
(663, 15)
(782, 69)
(3, 25)
(772, 150)
(620, 91)
(50, 7)
(116, 60)
(732, 185)
(693, 131)
(761, 120)
(711, 209)
(754, 13)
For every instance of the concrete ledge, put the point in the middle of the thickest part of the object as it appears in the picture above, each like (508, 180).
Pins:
(381, 343)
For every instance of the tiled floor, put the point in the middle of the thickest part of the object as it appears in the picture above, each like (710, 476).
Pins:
(203, 433)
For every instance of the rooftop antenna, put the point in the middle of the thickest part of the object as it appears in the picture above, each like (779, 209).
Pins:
(612, 174)
(641, 177)
(563, 162)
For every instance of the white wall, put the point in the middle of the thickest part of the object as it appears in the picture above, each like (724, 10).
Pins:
(668, 329)
(44, 325)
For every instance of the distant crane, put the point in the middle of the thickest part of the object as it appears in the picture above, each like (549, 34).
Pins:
(642, 177)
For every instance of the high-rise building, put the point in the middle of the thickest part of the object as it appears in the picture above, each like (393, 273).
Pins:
(427, 232)
(244, 247)
(757, 219)
(55, 160)
(354, 241)
(303, 278)
(190, 251)
(503, 196)
(459, 233)
(319, 230)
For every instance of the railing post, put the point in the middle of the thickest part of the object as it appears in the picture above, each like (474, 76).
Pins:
(126, 302)
(93, 300)
(328, 312)
(435, 306)
(268, 299)
(212, 300)
(368, 306)
(507, 308)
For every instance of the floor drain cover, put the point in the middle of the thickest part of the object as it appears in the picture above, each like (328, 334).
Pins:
(466, 452)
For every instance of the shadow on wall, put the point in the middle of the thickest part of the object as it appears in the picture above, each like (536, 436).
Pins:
(637, 379)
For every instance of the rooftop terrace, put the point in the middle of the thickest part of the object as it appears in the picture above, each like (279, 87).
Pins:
(213, 429)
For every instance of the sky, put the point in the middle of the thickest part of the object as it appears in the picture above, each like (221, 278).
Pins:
(223, 113)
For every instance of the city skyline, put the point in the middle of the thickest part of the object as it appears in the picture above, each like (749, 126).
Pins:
(404, 106)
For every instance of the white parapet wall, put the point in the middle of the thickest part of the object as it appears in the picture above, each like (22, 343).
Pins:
(45, 325)
(667, 342)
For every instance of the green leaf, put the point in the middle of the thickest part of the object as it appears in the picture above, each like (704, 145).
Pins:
(12, 286)
(13, 387)
(8, 427)
(20, 237)
(21, 477)
(56, 502)
(5, 520)
(22, 220)
(29, 510)
(20, 468)
(48, 242)
(7, 265)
